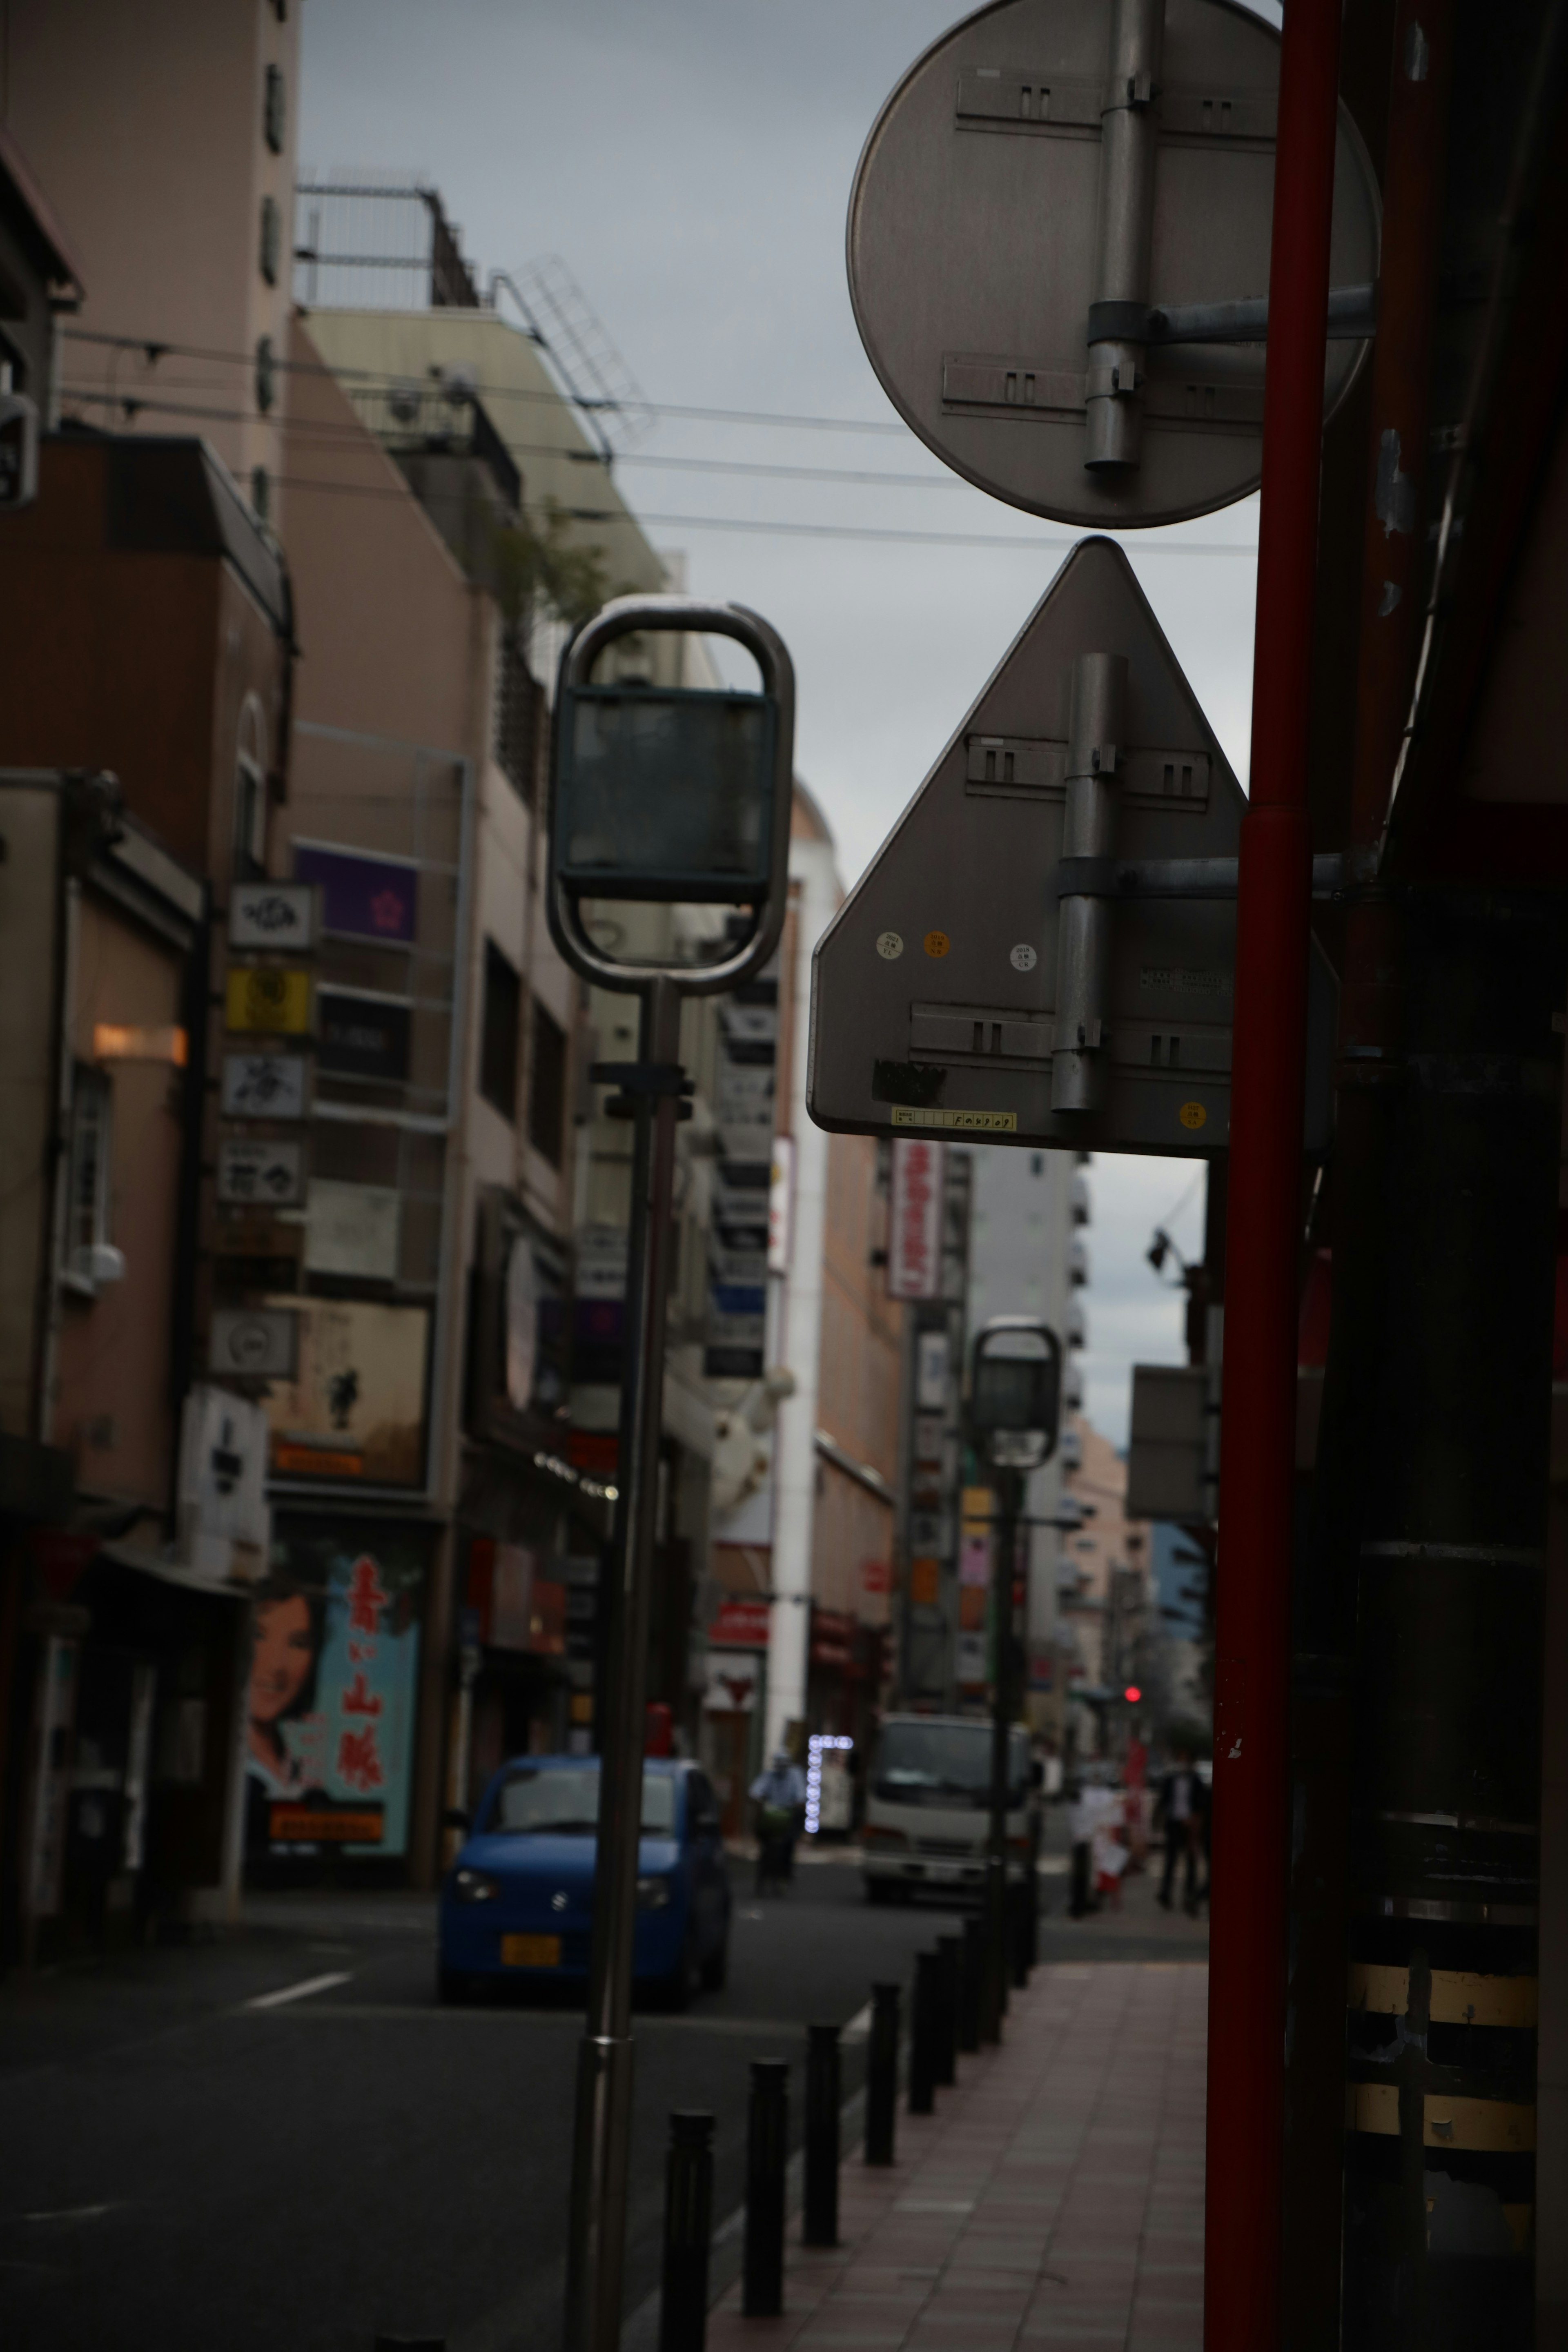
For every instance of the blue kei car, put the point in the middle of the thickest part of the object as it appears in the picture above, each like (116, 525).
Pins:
(518, 1904)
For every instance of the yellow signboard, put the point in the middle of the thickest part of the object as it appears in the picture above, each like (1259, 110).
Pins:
(264, 997)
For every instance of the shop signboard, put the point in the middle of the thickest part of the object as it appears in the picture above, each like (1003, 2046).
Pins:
(331, 1704)
(263, 1172)
(272, 915)
(253, 1342)
(362, 897)
(914, 1221)
(353, 1411)
(264, 1086)
(733, 1676)
(740, 1625)
(268, 999)
(352, 1229)
(364, 1035)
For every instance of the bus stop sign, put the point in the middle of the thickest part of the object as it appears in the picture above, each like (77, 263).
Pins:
(1043, 951)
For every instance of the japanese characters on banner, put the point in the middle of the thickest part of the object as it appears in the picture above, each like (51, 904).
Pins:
(914, 1224)
(331, 1707)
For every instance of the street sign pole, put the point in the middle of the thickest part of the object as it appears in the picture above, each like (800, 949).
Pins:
(605, 2056)
(1014, 1415)
(1009, 1485)
(680, 796)
(1251, 1814)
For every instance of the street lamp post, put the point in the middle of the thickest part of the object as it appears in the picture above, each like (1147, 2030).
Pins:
(671, 795)
(1014, 1406)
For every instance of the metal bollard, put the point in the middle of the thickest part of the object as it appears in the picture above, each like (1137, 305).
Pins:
(949, 1949)
(923, 2036)
(882, 2074)
(1021, 1897)
(767, 2153)
(819, 2217)
(688, 2233)
(970, 1983)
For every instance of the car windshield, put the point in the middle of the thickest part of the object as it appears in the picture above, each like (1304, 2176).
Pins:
(564, 1800)
(945, 1764)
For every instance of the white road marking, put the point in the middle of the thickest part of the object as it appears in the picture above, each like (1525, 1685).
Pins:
(301, 1991)
(74, 2213)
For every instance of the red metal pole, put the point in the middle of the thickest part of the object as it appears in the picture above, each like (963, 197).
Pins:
(1251, 1818)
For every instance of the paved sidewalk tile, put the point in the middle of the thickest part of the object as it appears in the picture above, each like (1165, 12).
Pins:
(1053, 2203)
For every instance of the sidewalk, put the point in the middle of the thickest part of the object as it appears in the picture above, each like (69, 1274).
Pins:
(1056, 2198)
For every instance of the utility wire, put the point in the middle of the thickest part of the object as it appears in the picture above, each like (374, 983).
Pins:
(348, 435)
(155, 348)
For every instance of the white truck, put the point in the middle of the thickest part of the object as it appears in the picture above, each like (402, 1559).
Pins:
(927, 1807)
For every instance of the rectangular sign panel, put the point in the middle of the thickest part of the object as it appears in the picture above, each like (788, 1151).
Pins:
(355, 1410)
(268, 1172)
(272, 915)
(267, 998)
(914, 1220)
(365, 898)
(332, 1702)
(365, 1037)
(253, 1342)
(264, 1086)
(352, 1229)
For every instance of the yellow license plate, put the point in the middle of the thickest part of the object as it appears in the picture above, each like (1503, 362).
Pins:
(530, 1951)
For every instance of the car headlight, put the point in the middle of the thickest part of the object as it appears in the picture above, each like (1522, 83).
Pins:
(475, 1886)
(653, 1894)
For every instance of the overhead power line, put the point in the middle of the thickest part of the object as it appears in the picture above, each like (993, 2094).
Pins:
(155, 348)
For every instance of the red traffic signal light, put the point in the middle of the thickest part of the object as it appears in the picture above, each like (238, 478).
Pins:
(1132, 1693)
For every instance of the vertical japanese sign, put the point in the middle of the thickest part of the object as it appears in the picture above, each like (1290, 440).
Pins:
(334, 1667)
(914, 1225)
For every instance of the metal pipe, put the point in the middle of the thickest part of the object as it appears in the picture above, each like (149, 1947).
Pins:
(767, 2157)
(1365, 1201)
(1128, 143)
(596, 2244)
(1248, 1946)
(1352, 317)
(1095, 723)
(819, 2221)
(688, 2233)
(882, 2074)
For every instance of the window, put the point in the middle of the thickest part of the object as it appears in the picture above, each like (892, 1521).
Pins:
(517, 719)
(86, 1218)
(547, 1090)
(272, 239)
(266, 375)
(260, 493)
(502, 1032)
(250, 793)
(272, 110)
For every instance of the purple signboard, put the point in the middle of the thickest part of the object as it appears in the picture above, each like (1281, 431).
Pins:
(370, 898)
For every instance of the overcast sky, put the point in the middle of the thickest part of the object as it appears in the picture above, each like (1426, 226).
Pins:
(690, 161)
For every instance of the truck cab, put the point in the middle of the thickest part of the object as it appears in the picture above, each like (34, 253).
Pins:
(927, 1807)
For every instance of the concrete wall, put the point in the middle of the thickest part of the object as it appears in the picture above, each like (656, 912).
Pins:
(144, 127)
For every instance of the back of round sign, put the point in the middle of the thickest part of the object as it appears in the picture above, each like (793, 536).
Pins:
(1048, 182)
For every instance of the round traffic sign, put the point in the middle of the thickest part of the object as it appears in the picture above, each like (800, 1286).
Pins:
(1045, 202)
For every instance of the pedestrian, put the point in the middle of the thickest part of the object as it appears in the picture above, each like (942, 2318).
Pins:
(1083, 1815)
(1109, 1847)
(779, 1796)
(1183, 1804)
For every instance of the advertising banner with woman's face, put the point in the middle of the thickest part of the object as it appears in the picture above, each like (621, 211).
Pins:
(330, 1713)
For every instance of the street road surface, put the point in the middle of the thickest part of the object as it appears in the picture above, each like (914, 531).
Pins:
(280, 2143)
